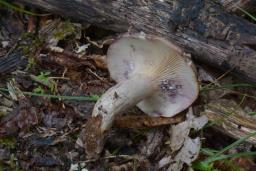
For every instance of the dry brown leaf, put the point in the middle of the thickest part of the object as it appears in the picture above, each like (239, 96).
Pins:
(183, 148)
(179, 133)
(144, 121)
(100, 61)
(188, 153)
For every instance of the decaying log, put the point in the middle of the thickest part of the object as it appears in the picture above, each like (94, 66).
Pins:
(202, 27)
(239, 5)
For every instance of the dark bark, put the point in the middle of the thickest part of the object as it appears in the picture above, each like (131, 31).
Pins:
(237, 5)
(12, 62)
(201, 27)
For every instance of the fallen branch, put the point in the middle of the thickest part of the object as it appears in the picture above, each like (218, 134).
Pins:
(202, 27)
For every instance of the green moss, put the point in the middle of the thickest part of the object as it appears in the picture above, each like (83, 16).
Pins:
(8, 142)
(44, 79)
(31, 63)
(64, 29)
(29, 49)
(34, 42)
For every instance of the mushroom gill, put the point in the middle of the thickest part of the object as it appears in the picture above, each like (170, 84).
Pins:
(151, 73)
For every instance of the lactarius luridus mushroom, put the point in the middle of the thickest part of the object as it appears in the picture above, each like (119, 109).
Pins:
(151, 73)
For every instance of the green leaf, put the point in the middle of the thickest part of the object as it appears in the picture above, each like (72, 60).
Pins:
(252, 113)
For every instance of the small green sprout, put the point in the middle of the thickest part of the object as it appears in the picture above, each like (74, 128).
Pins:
(45, 80)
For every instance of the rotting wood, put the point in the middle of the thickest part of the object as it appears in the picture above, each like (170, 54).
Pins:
(237, 5)
(202, 27)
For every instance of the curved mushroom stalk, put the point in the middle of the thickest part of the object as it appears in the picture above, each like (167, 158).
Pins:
(121, 97)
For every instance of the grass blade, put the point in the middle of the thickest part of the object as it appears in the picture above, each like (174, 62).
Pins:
(92, 98)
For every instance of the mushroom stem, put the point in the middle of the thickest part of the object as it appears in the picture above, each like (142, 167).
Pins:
(120, 97)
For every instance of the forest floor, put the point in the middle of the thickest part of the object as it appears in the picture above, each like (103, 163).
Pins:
(52, 71)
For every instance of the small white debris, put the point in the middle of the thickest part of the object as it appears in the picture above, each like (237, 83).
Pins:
(82, 49)
(56, 49)
(74, 167)
(5, 43)
(79, 143)
(142, 35)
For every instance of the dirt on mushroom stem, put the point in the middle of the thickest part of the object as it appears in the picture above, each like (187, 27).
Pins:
(113, 102)
(121, 97)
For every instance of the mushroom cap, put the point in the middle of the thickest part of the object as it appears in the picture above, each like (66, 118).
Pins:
(174, 81)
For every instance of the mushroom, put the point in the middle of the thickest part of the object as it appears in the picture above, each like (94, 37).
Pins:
(151, 73)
